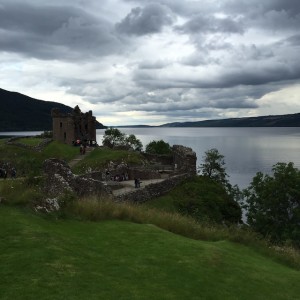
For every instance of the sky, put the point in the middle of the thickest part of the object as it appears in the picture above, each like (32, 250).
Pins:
(154, 62)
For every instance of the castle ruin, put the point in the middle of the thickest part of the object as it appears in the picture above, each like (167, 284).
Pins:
(75, 126)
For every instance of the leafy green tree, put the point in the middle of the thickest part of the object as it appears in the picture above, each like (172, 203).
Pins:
(113, 137)
(273, 203)
(213, 166)
(207, 201)
(134, 142)
(158, 147)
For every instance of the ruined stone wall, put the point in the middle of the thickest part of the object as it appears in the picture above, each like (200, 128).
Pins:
(152, 190)
(184, 159)
(59, 179)
(159, 159)
(132, 173)
(14, 141)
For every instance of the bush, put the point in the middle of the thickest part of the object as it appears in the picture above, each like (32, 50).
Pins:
(158, 147)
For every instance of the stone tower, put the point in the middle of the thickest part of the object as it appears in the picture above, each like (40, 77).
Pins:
(68, 128)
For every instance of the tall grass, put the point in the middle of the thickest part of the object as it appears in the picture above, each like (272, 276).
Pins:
(100, 210)
(20, 191)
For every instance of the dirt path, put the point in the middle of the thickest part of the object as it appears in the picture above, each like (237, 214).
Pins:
(128, 186)
(80, 157)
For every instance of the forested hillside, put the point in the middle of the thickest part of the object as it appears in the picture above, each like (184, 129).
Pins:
(22, 113)
(291, 120)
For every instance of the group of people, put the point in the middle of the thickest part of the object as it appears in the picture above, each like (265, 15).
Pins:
(4, 173)
(90, 143)
(121, 177)
(117, 177)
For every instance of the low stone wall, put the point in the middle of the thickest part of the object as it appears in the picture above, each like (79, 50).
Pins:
(152, 190)
(143, 174)
(39, 147)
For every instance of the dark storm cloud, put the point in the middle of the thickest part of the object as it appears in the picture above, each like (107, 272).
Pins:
(146, 20)
(184, 100)
(257, 8)
(50, 32)
(180, 7)
(250, 74)
(293, 40)
(211, 24)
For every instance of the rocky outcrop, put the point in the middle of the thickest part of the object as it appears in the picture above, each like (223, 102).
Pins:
(48, 205)
(60, 179)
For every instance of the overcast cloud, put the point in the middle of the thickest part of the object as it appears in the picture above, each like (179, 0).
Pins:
(154, 62)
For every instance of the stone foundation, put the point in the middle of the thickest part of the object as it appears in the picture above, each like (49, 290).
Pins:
(60, 179)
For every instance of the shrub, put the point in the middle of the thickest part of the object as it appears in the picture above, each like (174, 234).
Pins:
(158, 147)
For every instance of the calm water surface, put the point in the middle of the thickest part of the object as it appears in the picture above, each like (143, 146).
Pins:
(246, 150)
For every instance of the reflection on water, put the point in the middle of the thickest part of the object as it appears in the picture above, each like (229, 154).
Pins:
(246, 150)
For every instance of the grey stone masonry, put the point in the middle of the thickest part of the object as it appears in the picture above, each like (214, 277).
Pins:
(184, 159)
(59, 179)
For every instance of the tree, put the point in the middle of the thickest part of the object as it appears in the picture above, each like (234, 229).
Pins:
(213, 166)
(134, 142)
(273, 203)
(113, 137)
(206, 200)
(158, 147)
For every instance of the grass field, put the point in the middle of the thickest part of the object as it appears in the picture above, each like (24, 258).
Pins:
(28, 161)
(100, 158)
(45, 258)
(32, 141)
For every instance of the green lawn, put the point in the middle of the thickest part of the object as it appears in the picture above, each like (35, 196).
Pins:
(30, 141)
(44, 258)
(101, 157)
(28, 161)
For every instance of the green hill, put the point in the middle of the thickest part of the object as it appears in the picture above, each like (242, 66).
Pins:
(44, 258)
(22, 113)
(291, 120)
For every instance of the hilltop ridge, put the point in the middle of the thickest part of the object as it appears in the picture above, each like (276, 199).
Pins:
(19, 112)
(290, 120)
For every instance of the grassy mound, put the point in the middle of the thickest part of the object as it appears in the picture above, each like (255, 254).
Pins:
(66, 259)
(28, 161)
(100, 158)
(201, 198)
